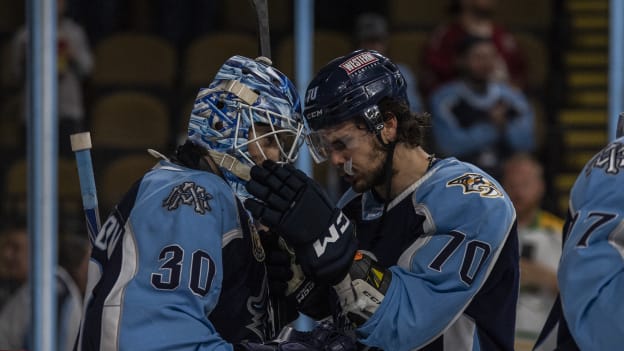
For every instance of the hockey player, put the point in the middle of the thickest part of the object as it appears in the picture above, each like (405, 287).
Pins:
(588, 315)
(178, 265)
(437, 266)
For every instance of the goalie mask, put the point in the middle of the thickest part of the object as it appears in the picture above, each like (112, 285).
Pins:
(348, 87)
(247, 101)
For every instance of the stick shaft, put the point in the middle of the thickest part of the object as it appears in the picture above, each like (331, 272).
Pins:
(262, 16)
(81, 145)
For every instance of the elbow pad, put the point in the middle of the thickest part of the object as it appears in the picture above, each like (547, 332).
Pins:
(360, 293)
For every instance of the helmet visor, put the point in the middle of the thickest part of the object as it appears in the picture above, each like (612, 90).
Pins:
(345, 138)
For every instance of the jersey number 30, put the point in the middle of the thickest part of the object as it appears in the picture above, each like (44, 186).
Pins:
(201, 272)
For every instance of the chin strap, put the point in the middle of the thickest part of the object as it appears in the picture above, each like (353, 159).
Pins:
(231, 163)
(196, 157)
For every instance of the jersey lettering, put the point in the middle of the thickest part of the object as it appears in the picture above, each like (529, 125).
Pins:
(109, 234)
(169, 279)
(475, 255)
(602, 218)
(201, 272)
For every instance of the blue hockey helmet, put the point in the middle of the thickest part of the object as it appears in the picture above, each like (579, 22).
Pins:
(244, 95)
(348, 87)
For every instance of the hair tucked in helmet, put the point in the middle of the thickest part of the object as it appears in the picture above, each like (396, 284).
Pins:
(246, 93)
(363, 84)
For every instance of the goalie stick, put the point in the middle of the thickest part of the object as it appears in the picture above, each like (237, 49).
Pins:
(81, 146)
(262, 17)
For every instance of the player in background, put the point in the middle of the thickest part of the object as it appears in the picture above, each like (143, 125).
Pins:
(178, 265)
(588, 314)
(438, 262)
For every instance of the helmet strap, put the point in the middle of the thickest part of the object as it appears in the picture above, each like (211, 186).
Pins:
(388, 183)
(388, 173)
(231, 163)
(193, 156)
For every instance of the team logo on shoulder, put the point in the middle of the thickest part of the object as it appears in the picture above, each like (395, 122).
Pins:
(258, 249)
(476, 183)
(610, 159)
(188, 193)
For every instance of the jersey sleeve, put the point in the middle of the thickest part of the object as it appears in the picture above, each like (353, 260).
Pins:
(441, 272)
(591, 271)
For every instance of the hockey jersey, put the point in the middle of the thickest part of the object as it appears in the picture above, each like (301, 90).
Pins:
(176, 266)
(587, 315)
(450, 242)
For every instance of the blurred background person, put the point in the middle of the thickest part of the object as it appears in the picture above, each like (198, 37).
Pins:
(371, 32)
(478, 119)
(475, 18)
(14, 261)
(71, 277)
(74, 65)
(539, 234)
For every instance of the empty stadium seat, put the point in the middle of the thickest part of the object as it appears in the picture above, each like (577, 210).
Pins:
(130, 120)
(134, 60)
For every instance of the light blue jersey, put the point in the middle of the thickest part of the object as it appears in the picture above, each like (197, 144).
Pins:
(450, 242)
(159, 268)
(588, 315)
(463, 127)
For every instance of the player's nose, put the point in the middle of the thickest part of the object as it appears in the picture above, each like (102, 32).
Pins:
(337, 158)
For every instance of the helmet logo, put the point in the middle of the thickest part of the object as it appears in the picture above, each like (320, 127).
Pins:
(358, 62)
(311, 94)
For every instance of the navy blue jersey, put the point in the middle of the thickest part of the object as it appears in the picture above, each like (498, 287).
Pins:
(587, 315)
(450, 242)
(176, 266)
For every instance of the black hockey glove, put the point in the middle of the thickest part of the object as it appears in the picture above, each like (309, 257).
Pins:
(322, 338)
(295, 206)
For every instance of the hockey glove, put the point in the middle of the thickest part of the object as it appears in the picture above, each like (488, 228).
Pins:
(288, 284)
(362, 290)
(295, 206)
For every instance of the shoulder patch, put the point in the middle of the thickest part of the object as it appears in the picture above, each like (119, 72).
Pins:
(188, 193)
(476, 183)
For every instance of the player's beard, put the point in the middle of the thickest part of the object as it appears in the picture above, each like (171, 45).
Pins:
(375, 176)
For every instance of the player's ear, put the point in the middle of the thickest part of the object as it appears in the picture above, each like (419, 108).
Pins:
(389, 131)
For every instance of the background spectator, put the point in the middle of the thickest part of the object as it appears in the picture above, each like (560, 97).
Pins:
(70, 283)
(14, 261)
(478, 119)
(539, 234)
(470, 17)
(371, 32)
(74, 63)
